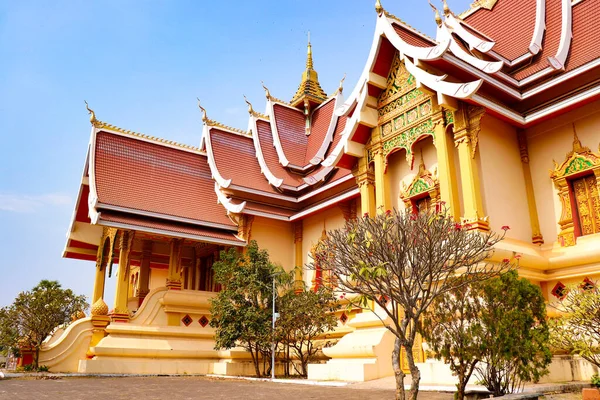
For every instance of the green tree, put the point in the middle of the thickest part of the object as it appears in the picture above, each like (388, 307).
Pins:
(577, 330)
(515, 334)
(305, 315)
(403, 262)
(453, 330)
(242, 310)
(34, 315)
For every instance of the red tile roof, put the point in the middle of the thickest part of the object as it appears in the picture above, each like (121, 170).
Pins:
(512, 31)
(149, 177)
(585, 46)
(320, 122)
(410, 37)
(152, 225)
(292, 133)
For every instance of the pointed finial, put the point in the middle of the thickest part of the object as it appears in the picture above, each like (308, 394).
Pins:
(341, 87)
(378, 7)
(422, 162)
(93, 119)
(446, 8)
(576, 142)
(309, 59)
(250, 109)
(267, 93)
(204, 117)
(438, 19)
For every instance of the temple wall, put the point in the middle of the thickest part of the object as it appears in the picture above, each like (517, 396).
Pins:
(312, 230)
(277, 237)
(399, 171)
(503, 189)
(552, 140)
(158, 278)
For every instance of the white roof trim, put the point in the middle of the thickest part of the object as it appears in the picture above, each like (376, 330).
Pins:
(540, 27)
(266, 215)
(169, 233)
(491, 67)
(93, 195)
(224, 183)
(473, 41)
(264, 168)
(276, 142)
(558, 61)
(227, 203)
(328, 203)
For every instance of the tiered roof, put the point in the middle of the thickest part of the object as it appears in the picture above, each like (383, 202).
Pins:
(523, 60)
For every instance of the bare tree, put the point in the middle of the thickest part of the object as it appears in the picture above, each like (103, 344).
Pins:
(404, 261)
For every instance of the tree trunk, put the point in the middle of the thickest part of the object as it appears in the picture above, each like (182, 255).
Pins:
(415, 374)
(461, 386)
(255, 361)
(398, 373)
(36, 358)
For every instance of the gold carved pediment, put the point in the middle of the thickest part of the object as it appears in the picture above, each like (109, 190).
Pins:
(423, 182)
(580, 159)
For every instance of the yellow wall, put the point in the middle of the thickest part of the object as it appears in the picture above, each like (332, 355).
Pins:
(277, 237)
(552, 140)
(158, 278)
(312, 229)
(502, 182)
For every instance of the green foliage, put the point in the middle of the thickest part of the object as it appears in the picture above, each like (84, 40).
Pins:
(43, 368)
(577, 331)
(515, 334)
(453, 330)
(34, 315)
(304, 315)
(241, 312)
(595, 381)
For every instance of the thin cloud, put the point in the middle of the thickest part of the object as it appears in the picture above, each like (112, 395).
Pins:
(22, 203)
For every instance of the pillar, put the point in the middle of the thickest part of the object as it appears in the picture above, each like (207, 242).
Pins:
(536, 235)
(446, 169)
(174, 274)
(298, 267)
(100, 278)
(365, 180)
(381, 194)
(121, 312)
(144, 280)
(466, 136)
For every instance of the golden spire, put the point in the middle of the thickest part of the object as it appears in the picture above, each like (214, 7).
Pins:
(446, 8)
(204, 117)
(267, 93)
(93, 119)
(309, 86)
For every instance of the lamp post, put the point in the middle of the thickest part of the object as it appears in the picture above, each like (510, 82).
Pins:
(275, 316)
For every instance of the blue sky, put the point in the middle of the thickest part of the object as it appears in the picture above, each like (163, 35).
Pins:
(141, 66)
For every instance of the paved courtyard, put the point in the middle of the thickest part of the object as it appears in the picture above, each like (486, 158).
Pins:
(180, 388)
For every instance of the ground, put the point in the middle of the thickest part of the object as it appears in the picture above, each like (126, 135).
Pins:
(180, 388)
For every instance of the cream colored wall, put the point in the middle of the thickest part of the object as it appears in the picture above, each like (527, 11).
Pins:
(398, 170)
(158, 278)
(277, 237)
(501, 177)
(312, 229)
(552, 140)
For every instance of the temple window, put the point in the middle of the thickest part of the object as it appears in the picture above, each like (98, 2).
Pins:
(559, 291)
(423, 192)
(587, 284)
(576, 180)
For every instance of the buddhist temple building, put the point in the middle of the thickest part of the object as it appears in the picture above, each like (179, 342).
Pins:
(498, 117)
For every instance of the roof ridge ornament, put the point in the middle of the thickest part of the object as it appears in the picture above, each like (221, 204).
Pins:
(250, 109)
(203, 110)
(438, 19)
(216, 124)
(309, 87)
(92, 114)
(378, 7)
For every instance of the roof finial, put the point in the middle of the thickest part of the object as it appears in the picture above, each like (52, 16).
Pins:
(93, 119)
(438, 19)
(204, 117)
(576, 142)
(267, 93)
(309, 59)
(250, 109)
(341, 87)
(446, 8)
(378, 7)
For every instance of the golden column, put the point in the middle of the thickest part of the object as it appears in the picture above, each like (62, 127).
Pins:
(466, 136)
(144, 280)
(298, 283)
(174, 274)
(446, 168)
(365, 180)
(381, 192)
(121, 312)
(103, 257)
(536, 235)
